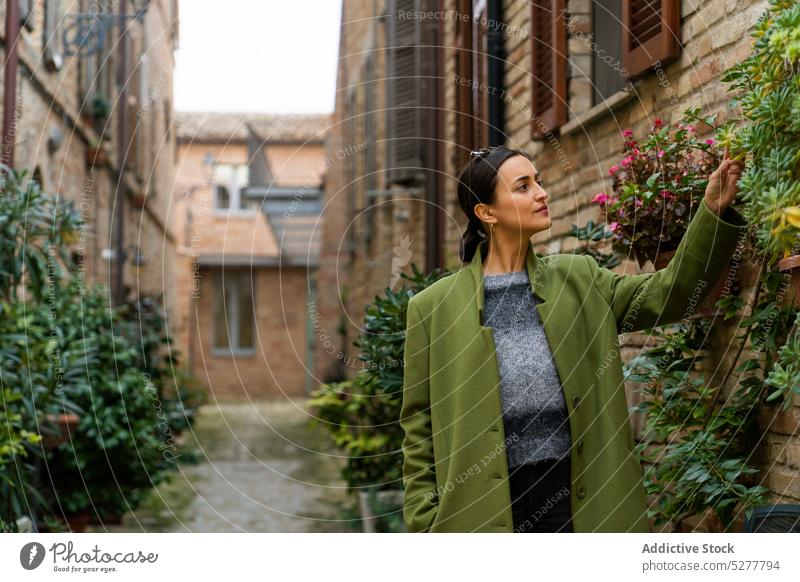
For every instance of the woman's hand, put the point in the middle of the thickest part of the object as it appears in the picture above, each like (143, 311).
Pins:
(722, 188)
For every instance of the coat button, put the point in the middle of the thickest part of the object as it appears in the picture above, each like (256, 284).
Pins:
(580, 491)
(579, 446)
(575, 401)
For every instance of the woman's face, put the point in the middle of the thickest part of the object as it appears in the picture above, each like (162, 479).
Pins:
(520, 206)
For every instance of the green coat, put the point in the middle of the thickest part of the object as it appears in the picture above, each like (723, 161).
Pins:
(455, 473)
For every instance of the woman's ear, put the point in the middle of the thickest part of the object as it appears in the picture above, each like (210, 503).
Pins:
(482, 212)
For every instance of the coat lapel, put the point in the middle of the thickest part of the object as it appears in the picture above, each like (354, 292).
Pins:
(538, 274)
(550, 299)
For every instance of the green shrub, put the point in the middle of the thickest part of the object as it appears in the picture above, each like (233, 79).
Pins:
(362, 414)
(767, 87)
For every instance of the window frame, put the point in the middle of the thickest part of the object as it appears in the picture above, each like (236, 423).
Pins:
(236, 192)
(230, 305)
(557, 114)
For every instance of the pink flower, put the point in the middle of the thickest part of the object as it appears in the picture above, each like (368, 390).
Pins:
(637, 202)
(710, 141)
(660, 154)
(613, 170)
(626, 161)
(627, 133)
(667, 194)
(600, 198)
(657, 122)
(690, 128)
(613, 226)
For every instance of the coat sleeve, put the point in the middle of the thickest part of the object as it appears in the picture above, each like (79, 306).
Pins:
(420, 500)
(668, 295)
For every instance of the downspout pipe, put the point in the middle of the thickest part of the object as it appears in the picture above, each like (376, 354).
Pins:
(10, 83)
(122, 152)
(496, 49)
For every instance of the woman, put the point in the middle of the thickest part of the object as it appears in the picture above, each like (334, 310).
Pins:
(514, 407)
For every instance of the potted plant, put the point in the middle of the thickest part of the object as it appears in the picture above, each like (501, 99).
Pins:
(765, 84)
(61, 426)
(99, 106)
(656, 187)
(96, 154)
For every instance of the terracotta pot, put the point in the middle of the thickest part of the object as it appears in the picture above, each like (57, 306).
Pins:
(107, 519)
(791, 266)
(663, 258)
(138, 199)
(65, 423)
(96, 156)
(77, 522)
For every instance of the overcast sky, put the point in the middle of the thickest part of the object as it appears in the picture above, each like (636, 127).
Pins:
(271, 56)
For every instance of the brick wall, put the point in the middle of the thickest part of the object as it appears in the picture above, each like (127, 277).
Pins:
(574, 164)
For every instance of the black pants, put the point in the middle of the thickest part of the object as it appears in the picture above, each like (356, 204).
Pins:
(540, 497)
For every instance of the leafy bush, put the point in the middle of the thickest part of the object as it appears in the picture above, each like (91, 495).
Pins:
(767, 87)
(123, 445)
(696, 451)
(362, 414)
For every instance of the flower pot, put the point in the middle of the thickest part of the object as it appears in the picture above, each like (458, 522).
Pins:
(138, 199)
(368, 517)
(65, 424)
(96, 156)
(77, 522)
(791, 266)
(663, 258)
(107, 519)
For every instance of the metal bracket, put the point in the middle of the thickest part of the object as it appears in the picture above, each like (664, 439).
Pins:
(85, 33)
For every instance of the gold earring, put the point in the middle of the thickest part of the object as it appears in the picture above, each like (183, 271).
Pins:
(491, 228)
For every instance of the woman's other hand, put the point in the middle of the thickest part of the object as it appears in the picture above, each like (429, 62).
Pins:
(722, 188)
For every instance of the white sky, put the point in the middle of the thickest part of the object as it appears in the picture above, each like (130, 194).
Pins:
(270, 56)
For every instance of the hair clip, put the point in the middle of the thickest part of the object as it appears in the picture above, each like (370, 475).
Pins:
(483, 151)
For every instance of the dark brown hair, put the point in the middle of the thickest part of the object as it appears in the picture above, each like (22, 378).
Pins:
(476, 185)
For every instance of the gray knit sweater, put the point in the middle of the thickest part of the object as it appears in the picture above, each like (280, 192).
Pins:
(530, 388)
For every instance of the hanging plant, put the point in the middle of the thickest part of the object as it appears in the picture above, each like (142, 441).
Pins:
(656, 186)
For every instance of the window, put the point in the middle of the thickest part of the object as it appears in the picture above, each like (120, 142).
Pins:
(608, 72)
(650, 34)
(548, 67)
(233, 312)
(409, 89)
(53, 59)
(27, 18)
(229, 183)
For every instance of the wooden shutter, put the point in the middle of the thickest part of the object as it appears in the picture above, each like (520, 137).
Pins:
(404, 93)
(53, 60)
(463, 43)
(549, 66)
(27, 18)
(650, 34)
(480, 68)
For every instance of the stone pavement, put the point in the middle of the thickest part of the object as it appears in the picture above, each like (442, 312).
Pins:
(261, 469)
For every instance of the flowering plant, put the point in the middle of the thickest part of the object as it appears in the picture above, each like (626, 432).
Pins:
(656, 186)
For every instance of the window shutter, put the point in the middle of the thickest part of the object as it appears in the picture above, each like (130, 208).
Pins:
(480, 67)
(549, 64)
(27, 18)
(53, 59)
(463, 110)
(650, 33)
(404, 93)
